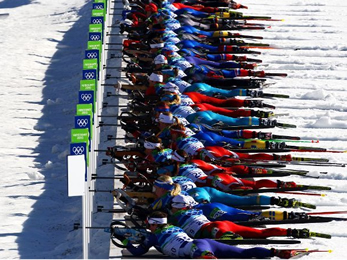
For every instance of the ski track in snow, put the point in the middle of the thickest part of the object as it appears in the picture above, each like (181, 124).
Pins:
(44, 46)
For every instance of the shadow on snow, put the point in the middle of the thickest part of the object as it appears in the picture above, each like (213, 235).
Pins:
(46, 233)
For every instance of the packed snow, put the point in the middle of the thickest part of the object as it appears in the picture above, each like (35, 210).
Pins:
(43, 45)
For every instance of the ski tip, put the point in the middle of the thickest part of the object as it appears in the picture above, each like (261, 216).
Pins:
(323, 195)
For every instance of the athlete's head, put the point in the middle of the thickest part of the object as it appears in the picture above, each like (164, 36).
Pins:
(152, 143)
(157, 219)
(165, 184)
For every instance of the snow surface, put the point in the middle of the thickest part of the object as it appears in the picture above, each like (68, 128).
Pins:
(42, 50)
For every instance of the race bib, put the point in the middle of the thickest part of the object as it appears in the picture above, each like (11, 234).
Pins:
(186, 100)
(183, 111)
(184, 65)
(173, 26)
(191, 147)
(194, 174)
(173, 243)
(216, 213)
(182, 85)
(194, 226)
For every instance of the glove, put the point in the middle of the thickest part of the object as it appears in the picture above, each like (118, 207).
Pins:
(262, 114)
(284, 202)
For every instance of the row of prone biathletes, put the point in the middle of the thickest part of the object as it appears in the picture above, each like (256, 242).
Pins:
(200, 159)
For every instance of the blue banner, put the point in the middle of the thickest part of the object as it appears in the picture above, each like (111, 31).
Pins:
(89, 74)
(79, 149)
(91, 54)
(82, 122)
(94, 36)
(98, 6)
(97, 20)
(86, 97)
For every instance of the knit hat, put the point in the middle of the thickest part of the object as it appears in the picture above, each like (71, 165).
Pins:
(156, 77)
(167, 119)
(182, 201)
(157, 45)
(160, 59)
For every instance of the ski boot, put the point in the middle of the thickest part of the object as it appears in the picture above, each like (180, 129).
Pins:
(299, 233)
(284, 202)
(297, 215)
(282, 184)
(267, 122)
(253, 103)
(285, 254)
(230, 236)
(262, 114)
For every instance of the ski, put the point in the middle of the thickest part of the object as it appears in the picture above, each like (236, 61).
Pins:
(274, 173)
(264, 175)
(327, 212)
(258, 241)
(321, 235)
(238, 28)
(263, 190)
(236, 51)
(4, 15)
(256, 150)
(269, 74)
(240, 16)
(240, 127)
(306, 159)
(254, 164)
(289, 221)
(254, 60)
(317, 163)
(237, 35)
(275, 95)
(235, 83)
(274, 136)
(254, 207)
(303, 193)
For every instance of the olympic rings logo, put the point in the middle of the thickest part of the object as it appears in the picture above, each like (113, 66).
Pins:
(78, 150)
(92, 55)
(94, 37)
(96, 21)
(82, 122)
(89, 75)
(86, 97)
(99, 7)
